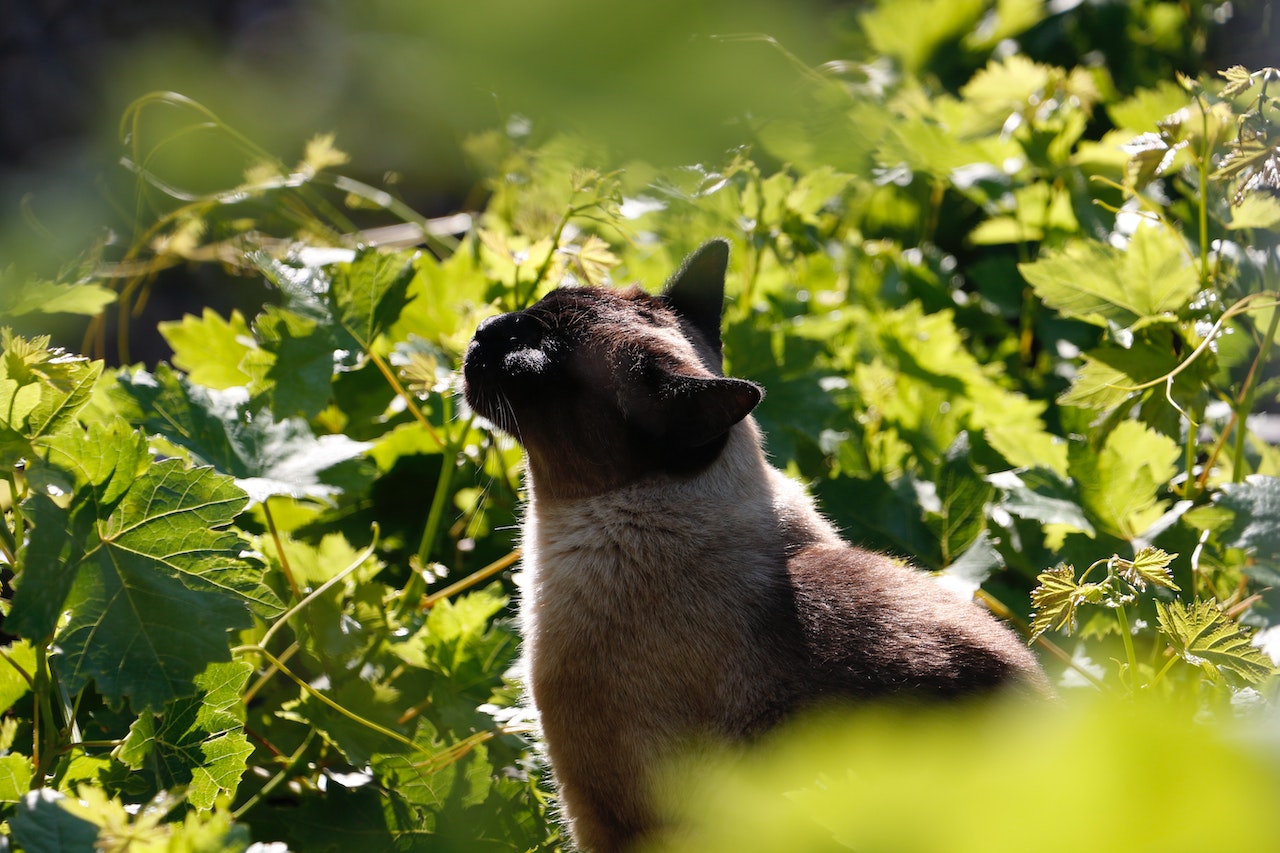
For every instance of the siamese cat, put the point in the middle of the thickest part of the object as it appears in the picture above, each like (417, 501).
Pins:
(678, 588)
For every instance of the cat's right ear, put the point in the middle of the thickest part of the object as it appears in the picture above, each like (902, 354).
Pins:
(696, 291)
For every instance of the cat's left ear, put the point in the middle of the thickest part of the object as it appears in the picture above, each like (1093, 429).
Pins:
(696, 291)
(691, 411)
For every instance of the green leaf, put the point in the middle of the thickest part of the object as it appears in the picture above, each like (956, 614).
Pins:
(95, 469)
(21, 297)
(912, 30)
(1148, 281)
(152, 588)
(1121, 484)
(1256, 210)
(1149, 566)
(1203, 635)
(459, 637)
(415, 777)
(42, 825)
(1148, 107)
(1255, 516)
(16, 773)
(41, 392)
(294, 368)
(1110, 373)
(196, 742)
(959, 514)
(1055, 600)
(369, 293)
(219, 428)
(1041, 495)
(13, 686)
(210, 349)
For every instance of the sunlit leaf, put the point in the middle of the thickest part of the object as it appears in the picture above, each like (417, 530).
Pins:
(210, 349)
(132, 579)
(1121, 485)
(1149, 566)
(1204, 636)
(197, 742)
(1103, 285)
(23, 296)
(1055, 600)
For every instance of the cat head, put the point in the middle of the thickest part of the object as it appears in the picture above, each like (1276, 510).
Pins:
(605, 386)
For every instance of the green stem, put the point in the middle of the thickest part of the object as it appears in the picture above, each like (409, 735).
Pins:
(1164, 669)
(1203, 169)
(1123, 618)
(416, 587)
(1189, 458)
(44, 734)
(1245, 404)
(274, 782)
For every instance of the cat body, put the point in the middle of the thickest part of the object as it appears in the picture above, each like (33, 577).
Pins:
(678, 588)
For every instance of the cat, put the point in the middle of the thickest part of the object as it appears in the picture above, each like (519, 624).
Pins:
(677, 586)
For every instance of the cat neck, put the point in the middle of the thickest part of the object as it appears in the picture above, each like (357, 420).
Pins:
(739, 500)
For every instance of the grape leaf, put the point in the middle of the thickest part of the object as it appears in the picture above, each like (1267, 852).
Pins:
(293, 369)
(151, 589)
(1204, 636)
(41, 392)
(1149, 566)
(1107, 286)
(42, 825)
(197, 742)
(16, 772)
(1109, 373)
(1120, 484)
(422, 782)
(210, 349)
(1040, 495)
(1054, 601)
(1255, 522)
(267, 457)
(368, 294)
(19, 297)
(96, 468)
(959, 515)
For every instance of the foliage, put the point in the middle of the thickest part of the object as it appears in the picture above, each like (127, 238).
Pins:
(1010, 315)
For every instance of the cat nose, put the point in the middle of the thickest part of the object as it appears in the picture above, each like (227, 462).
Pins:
(516, 329)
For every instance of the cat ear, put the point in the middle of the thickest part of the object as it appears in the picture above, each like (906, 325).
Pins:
(690, 411)
(696, 291)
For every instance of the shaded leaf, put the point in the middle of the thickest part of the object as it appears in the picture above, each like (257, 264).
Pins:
(1040, 495)
(959, 514)
(219, 428)
(42, 825)
(293, 370)
(1255, 522)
